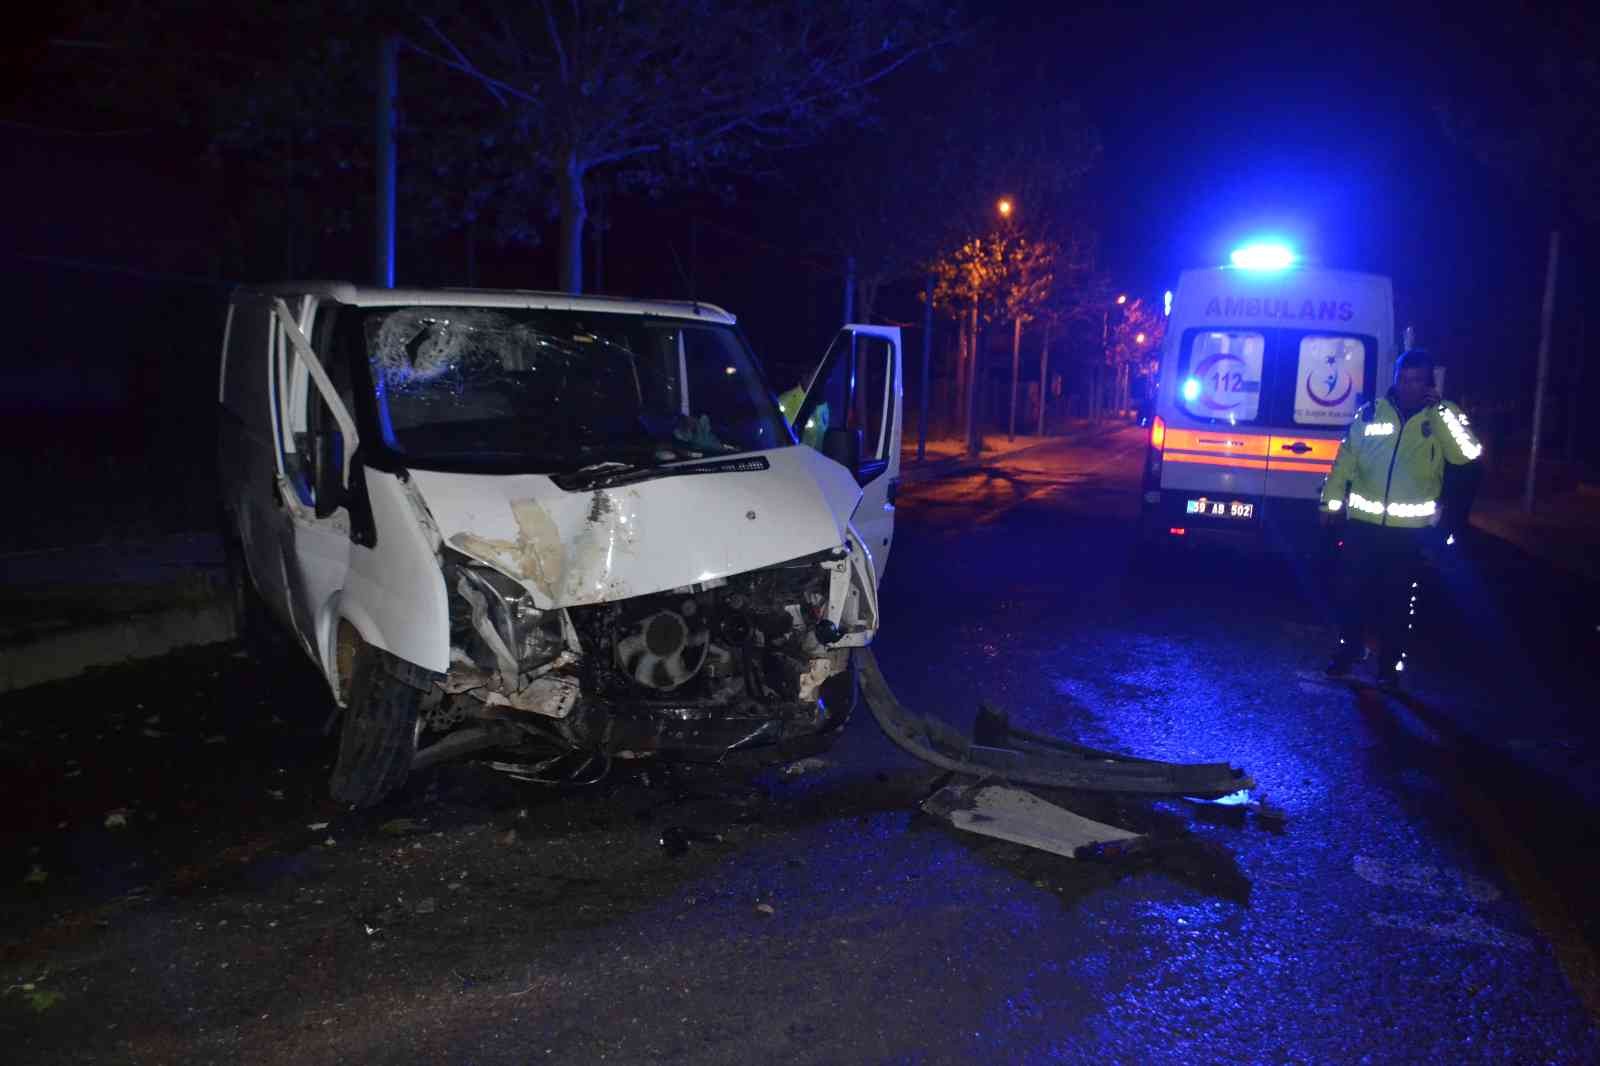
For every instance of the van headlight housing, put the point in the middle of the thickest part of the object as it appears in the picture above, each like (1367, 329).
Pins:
(514, 635)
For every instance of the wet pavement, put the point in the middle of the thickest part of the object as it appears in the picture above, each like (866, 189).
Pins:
(1426, 900)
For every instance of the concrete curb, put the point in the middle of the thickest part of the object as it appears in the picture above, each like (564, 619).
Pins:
(145, 635)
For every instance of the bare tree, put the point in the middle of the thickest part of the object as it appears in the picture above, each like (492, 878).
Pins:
(661, 92)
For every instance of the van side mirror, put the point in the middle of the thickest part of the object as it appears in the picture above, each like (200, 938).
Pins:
(843, 446)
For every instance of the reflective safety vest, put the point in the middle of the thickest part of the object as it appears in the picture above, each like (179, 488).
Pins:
(789, 403)
(1390, 474)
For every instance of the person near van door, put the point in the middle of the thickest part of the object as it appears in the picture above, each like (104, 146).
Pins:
(789, 403)
(1388, 482)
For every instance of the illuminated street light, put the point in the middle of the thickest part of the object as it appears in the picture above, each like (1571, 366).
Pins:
(1138, 338)
(1004, 207)
(1122, 298)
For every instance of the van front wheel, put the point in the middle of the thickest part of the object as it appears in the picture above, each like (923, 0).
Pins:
(380, 729)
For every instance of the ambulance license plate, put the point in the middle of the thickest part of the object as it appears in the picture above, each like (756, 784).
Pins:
(1220, 508)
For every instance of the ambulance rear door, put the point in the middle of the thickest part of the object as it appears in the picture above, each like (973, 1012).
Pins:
(1215, 453)
(1333, 375)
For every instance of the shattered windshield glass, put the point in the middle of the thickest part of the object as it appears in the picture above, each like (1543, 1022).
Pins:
(558, 391)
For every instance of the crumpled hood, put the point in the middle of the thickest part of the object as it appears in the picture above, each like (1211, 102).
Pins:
(600, 545)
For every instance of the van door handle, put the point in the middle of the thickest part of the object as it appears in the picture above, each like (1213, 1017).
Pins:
(1299, 447)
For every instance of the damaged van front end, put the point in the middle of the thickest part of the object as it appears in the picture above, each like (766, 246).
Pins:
(566, 529)
(605, 623)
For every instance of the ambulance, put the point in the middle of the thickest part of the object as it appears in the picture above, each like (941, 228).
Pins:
(1264, 365)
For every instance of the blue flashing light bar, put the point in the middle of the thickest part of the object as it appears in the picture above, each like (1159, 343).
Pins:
(1191, 389)
(1264, 256)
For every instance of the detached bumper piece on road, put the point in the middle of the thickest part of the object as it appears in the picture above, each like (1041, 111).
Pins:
(1023, 818)
(1002, 751)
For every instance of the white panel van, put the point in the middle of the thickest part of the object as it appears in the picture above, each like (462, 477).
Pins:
(571, 529)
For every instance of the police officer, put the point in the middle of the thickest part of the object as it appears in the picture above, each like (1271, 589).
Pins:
(1387, 482)
(816, 425)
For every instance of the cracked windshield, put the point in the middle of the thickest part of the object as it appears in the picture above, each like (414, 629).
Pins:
(560, 391)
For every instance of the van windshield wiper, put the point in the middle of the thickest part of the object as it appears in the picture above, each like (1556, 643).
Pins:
(611, 474)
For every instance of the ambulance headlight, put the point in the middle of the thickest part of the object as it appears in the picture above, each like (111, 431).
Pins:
(1263, 256)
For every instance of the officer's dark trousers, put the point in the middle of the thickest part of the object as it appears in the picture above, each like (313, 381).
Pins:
(1379, 571)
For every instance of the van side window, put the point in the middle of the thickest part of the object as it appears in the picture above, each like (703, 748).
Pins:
(244, 374)
(1219, 376)
(873, 414)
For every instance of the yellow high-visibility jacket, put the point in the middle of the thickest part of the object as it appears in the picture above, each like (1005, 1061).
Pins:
(1389, 474)
(811, 433)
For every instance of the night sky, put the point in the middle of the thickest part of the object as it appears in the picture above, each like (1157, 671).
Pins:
(1312, 122)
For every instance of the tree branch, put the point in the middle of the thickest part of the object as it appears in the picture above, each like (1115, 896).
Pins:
(489, 83)
(467, 64)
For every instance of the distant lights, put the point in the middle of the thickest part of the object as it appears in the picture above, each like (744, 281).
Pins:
(1263, 256)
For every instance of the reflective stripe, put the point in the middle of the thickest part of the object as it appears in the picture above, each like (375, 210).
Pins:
(1463, 437)
(1395, 510)
(1412, 510)
(1217, 442)
(1379, 429)
(1359, 502)
(1238, 462)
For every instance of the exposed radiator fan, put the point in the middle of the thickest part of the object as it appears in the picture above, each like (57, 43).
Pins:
(663, 650)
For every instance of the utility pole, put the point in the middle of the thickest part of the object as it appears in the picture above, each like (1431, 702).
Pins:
(388, 87)
(1546, 313)
(927, 355)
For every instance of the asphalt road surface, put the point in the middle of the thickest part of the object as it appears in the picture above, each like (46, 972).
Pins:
(1427, 898)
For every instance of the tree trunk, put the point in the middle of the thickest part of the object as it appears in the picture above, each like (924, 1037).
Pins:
(971, 425)
(1541, 375)
(1016, 369)
(597, 258)
(1575, 385)
(1044, 377)
(574, 212)
(927, 356)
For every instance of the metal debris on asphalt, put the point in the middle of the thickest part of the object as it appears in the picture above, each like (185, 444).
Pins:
(1020, 817)
(805, 766)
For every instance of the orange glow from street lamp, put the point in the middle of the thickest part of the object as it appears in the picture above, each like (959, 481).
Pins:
(1004, 207)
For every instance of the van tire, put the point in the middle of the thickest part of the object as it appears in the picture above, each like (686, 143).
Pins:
(380, 732)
